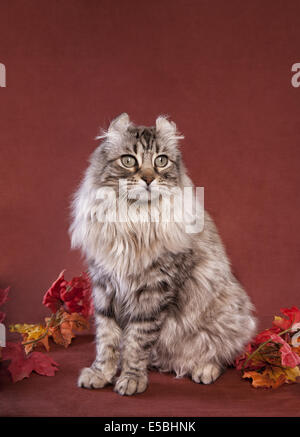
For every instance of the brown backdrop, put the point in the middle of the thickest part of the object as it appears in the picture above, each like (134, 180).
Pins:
(220, 69)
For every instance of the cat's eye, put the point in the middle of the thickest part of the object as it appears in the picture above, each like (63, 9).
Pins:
(161, 161)
(128, 161)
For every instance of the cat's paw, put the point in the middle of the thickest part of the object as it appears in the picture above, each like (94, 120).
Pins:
(131, 384)
(206, 374)
(91, 378)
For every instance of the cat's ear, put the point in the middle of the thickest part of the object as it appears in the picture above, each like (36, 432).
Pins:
(164, 126)
(116, 130)
(167, 129)
(120, 123)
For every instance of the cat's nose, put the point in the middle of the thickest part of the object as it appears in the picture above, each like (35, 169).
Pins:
(148, 178)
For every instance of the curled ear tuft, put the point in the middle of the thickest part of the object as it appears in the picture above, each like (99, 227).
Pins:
(163, 125)
(120, 123)
(167, 129)
(116, 129)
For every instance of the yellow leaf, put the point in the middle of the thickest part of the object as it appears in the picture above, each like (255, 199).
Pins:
(276, 374)
(292, 373)
(31, 333)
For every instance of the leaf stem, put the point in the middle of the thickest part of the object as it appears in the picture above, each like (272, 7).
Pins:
(262, 345)
(36, 340)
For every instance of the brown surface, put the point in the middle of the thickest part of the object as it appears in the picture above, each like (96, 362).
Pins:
(166, 396)
(221, 69)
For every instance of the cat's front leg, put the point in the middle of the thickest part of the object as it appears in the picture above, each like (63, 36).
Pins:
(139, 337)
(105, 366)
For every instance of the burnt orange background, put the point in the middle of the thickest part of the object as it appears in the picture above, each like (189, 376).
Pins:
(220, 69)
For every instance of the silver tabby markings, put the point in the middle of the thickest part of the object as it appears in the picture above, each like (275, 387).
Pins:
(163, 297)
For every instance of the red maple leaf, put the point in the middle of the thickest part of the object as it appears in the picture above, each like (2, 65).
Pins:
(269, 334)
(293, 317)
(288, 357)
(52, 297)
(77, 296)
(21, 366)
(74, 295)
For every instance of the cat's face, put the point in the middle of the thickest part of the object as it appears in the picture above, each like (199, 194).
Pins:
(147, 158)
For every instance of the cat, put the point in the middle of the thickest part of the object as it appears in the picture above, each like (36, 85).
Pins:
(164, 298)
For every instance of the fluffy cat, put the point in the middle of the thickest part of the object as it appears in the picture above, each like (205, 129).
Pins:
(163, 297)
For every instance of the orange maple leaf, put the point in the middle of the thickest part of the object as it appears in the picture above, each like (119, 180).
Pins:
(277, 375)
(62, 334)
(273, 377)
(296, 350)
(29, 347)
(64, 331)
(77, 322)
(263, 379)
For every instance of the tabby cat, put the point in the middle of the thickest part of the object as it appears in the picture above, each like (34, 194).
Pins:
(164, 297)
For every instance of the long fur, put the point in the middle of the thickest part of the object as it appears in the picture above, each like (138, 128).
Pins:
(163, 297)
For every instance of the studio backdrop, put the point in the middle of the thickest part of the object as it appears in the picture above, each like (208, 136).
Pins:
(221, 70)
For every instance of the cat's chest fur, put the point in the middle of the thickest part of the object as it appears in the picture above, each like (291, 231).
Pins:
(140, 263)
(126, 250)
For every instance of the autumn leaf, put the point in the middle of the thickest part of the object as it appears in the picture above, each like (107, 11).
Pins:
(281, 323)
(293, 318)
(52, 297)
(268, 378)
(268, 335)
(270, 354)
(21, 366)
(62, 334)
(273, 376)
(78, 323)
(273, 358)
(69, 324)
(43, 341)
(43, 364)
(255, 363)
(77, 295)
(296, 350)
(32, 334)
(288, 357)
(258, 379)
(73, 296)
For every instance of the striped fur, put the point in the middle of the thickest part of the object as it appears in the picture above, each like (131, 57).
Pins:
(163, 297)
